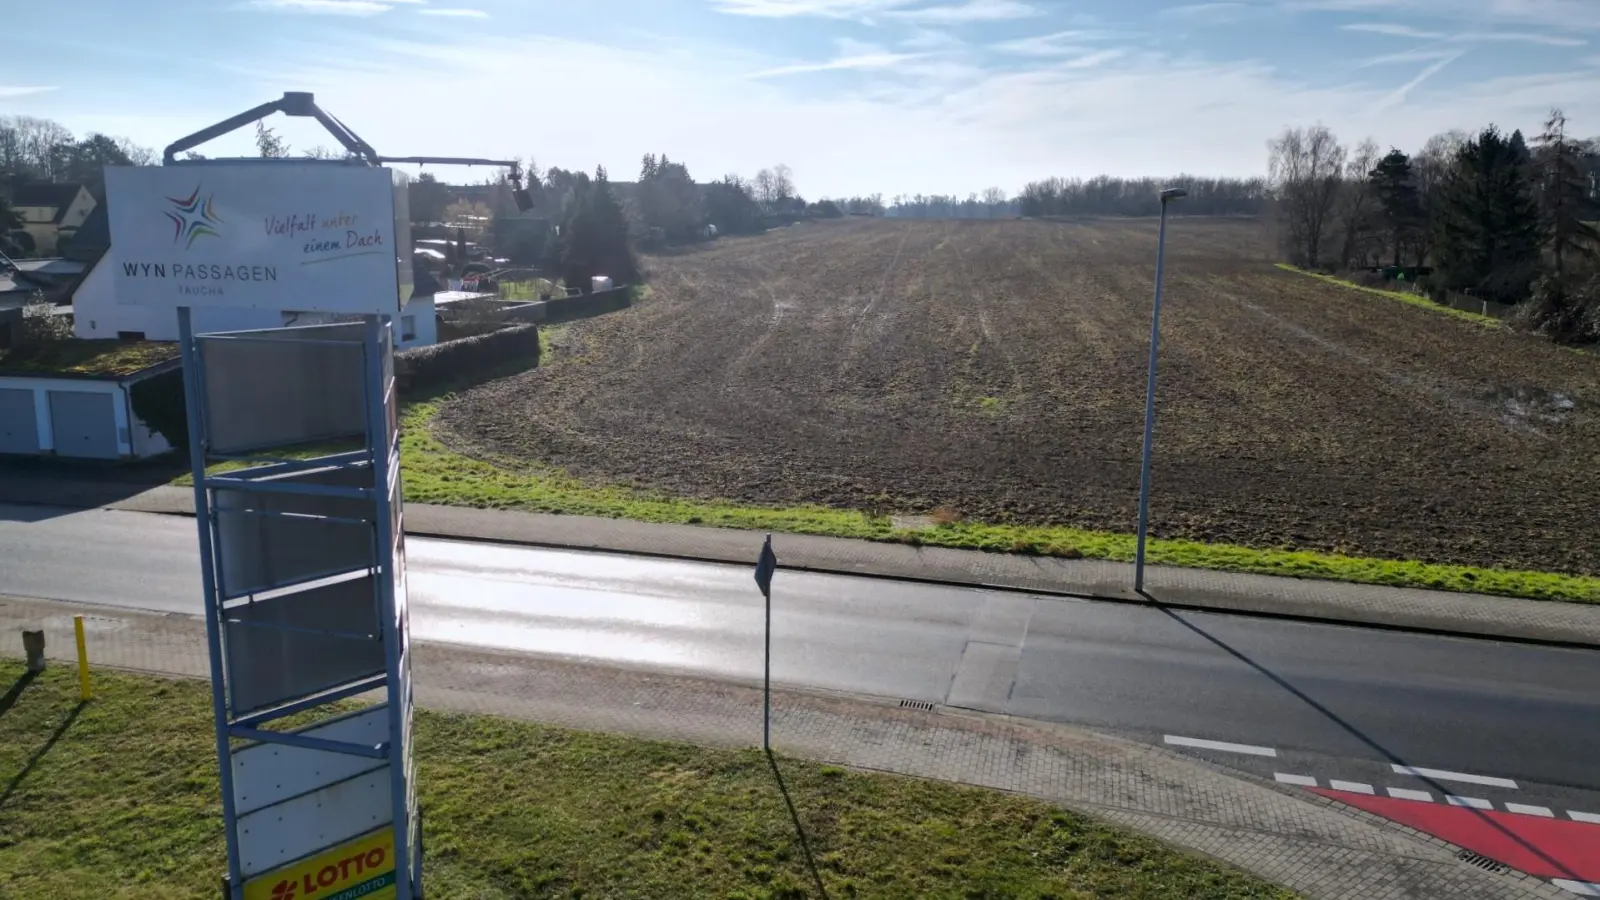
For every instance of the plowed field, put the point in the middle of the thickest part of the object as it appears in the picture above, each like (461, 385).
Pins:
(996, 370)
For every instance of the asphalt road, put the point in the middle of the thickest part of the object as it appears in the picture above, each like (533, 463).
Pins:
(1307, 701)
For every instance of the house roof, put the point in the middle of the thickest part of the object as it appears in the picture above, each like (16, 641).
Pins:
(93, 237)
(46, 194)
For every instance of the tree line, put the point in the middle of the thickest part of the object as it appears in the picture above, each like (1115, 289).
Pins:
(1487, 214)
(1106, 195)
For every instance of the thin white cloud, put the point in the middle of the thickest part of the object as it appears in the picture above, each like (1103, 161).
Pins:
(1399, 95)
(1060, 43)
(454, 12)
(1393, 30)
(784, 9)
(325, 7)
(970, 11)
(1518, 37)
(1091, 60)
(932, 39)
(23, 90)
(1206, 13)
(1466, 37)
(841, 63)
(1565, 14)
(1408, 56)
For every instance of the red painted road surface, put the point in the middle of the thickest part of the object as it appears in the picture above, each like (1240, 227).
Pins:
(1547, 848)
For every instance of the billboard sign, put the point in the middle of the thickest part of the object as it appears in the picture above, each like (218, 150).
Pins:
(266, 235)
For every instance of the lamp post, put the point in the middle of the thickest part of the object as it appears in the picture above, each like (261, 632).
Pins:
(1167, 196)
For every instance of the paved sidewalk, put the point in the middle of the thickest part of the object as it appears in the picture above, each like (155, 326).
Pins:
(1315, 846)
(1467, 614)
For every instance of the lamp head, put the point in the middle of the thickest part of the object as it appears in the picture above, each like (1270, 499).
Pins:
(1173, 194)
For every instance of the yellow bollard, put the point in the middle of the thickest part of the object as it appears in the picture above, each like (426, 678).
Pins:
(84, 692)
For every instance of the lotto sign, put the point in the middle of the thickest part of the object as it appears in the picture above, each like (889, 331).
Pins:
(362, 868)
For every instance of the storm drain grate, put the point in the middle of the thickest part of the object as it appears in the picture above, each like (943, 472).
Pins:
(1481, 861)
(923, 705)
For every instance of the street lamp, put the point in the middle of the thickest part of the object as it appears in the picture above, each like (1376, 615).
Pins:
(1167, 196)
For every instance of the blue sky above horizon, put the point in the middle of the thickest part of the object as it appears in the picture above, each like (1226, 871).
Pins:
(895, 96)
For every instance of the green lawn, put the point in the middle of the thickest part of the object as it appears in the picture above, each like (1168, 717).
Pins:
(118, 799)
(1402, 296)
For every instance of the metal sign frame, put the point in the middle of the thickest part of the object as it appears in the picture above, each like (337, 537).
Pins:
(344, 783)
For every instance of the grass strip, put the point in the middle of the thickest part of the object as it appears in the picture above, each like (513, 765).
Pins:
(1402, 296)
(436, 474)
(118, 799)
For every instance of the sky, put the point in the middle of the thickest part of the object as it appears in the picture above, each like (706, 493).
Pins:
(856, 96)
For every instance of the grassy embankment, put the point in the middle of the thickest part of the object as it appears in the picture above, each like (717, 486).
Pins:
(118, 799)
(1402, 296)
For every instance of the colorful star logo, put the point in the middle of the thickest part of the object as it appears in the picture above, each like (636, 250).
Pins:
(192, 218)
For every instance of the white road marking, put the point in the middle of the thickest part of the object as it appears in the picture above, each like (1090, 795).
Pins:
(1354, 787)
(1542, 811)
(1442, 775)
(1469, 802)
(1403, 794)
(1302, 780)
(1581, 888)
(1224, 746)
(1584, 817)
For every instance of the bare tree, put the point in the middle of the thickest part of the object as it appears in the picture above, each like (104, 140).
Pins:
(783, 182)
(139, 156)
(765, 187)
(995, 199)
(269, 143)
(1306, 168)
(30, 147)
(1358, 204)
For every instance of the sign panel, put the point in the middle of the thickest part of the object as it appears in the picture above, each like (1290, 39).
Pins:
(362, 868)
(312, 822)
(267, 774)
(295, 644)
(314, 392)
(262, 235)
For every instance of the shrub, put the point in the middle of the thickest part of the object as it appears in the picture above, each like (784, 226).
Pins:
(158, 402)
(1568, 314)
(427, 368)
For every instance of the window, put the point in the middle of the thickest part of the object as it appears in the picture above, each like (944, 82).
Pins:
(408, 328)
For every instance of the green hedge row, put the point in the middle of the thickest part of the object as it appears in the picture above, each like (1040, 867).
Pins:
(438, 365)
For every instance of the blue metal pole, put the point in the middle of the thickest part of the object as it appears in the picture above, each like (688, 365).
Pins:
(219, 702)
(396, 656)
(1150, 408)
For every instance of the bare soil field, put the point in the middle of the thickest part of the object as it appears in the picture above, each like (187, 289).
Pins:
(995, 370)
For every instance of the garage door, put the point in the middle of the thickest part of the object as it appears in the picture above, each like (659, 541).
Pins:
(84, 424)
(19, 427)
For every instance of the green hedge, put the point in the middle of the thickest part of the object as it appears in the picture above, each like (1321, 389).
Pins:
(427, 368)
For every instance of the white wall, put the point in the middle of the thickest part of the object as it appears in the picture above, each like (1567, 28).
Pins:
(424, 323)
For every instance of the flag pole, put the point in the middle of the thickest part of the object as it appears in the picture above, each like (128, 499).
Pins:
(765, 566)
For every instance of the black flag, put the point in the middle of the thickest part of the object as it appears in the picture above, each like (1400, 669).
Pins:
(765, 566)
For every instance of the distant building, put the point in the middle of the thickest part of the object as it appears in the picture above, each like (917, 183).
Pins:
(52, 213)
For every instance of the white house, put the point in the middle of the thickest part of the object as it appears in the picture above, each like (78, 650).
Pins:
(51, 213)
